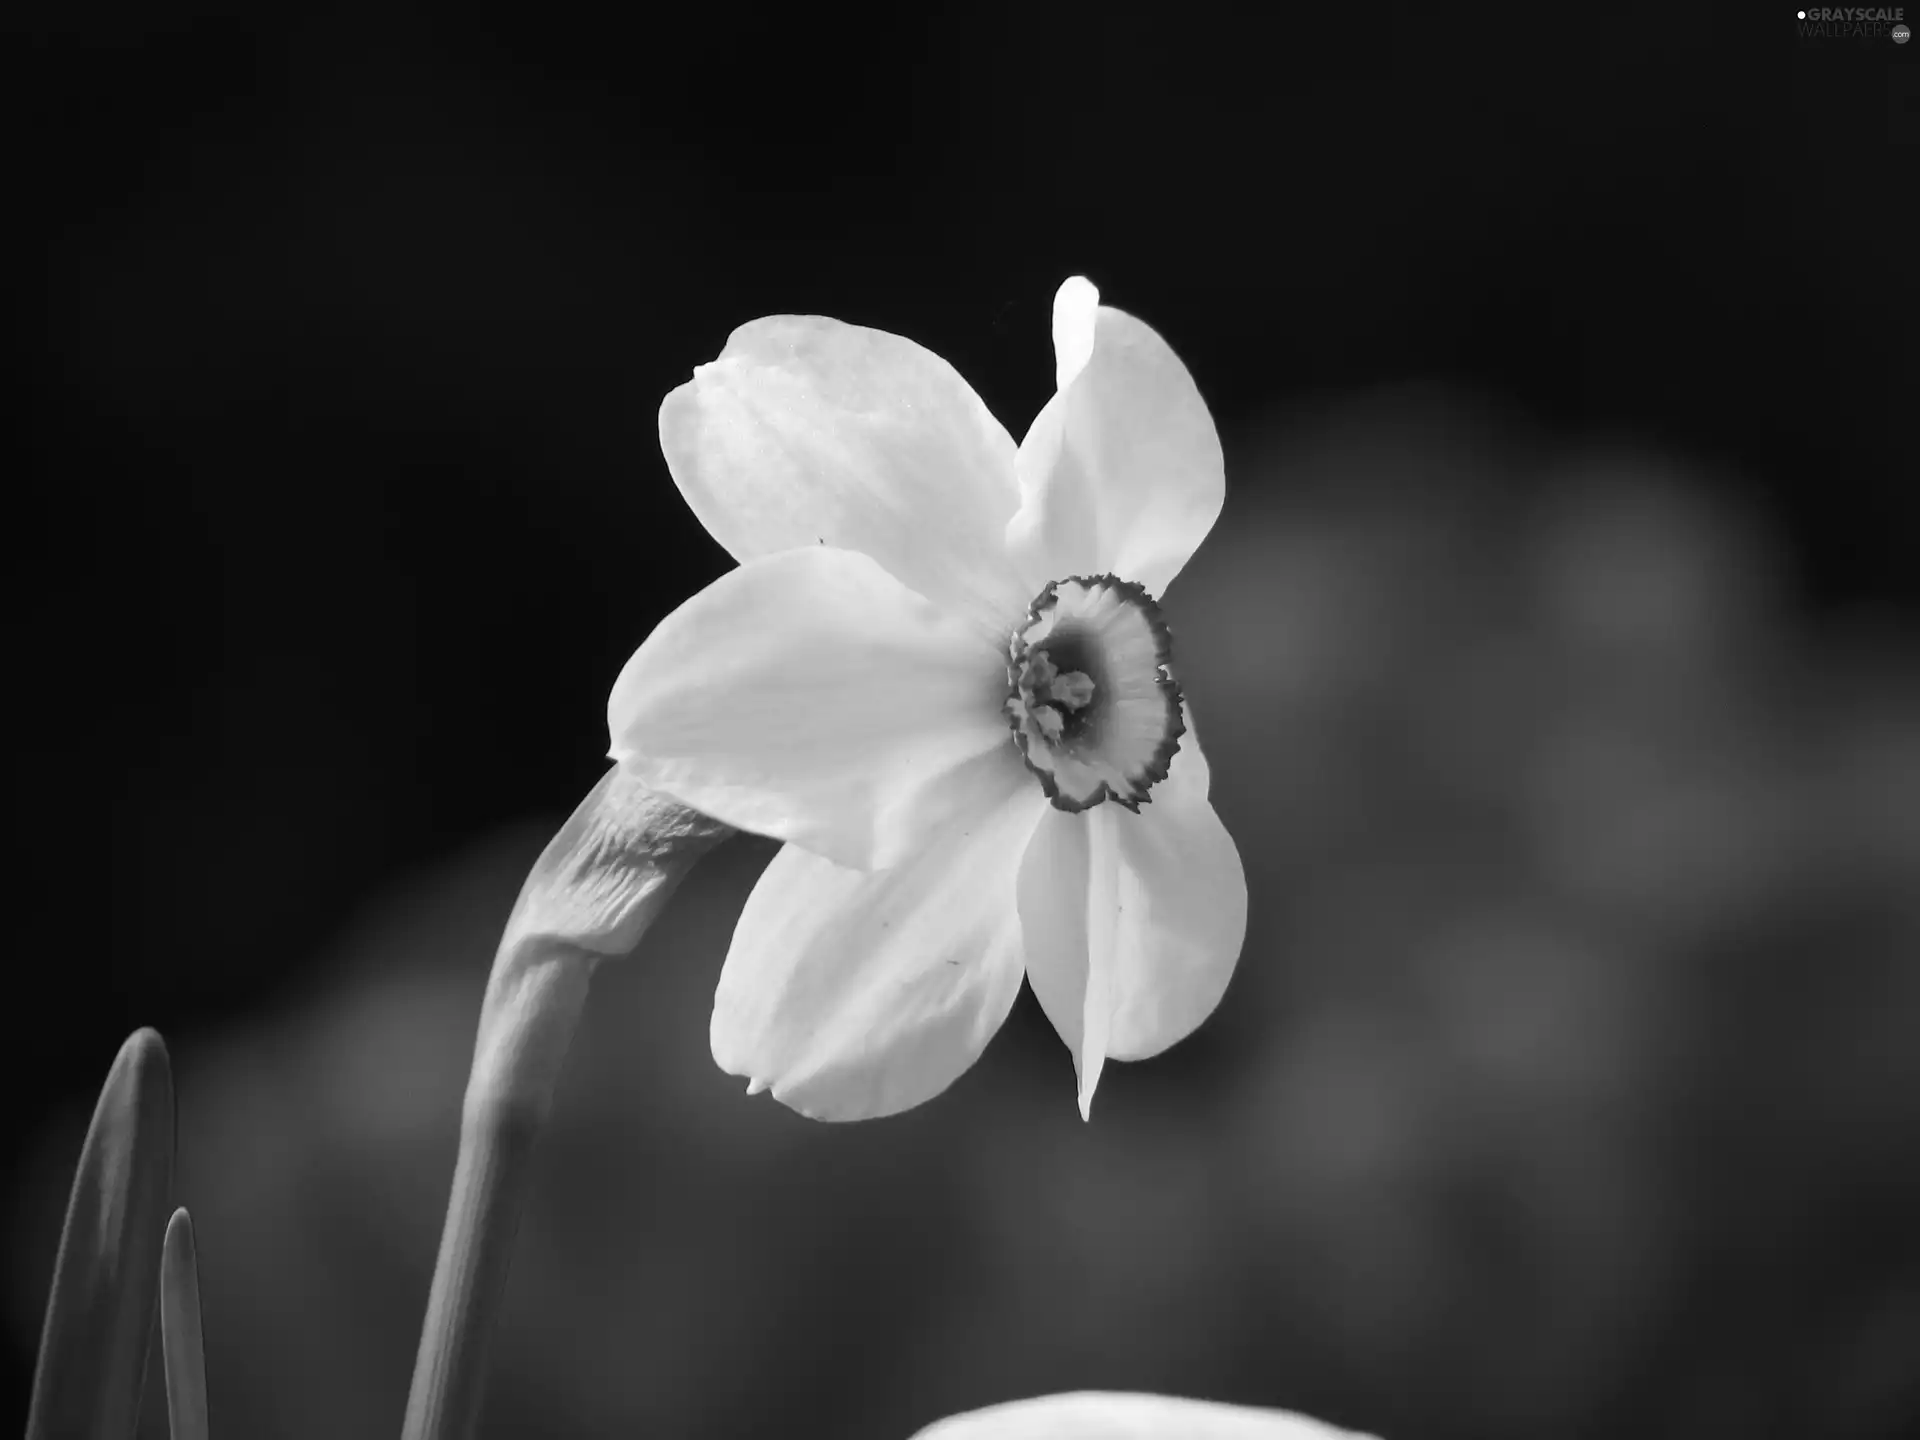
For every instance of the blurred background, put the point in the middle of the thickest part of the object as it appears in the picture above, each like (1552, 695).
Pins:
(1556, 656)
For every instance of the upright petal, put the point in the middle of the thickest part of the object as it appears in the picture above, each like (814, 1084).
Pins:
(1133, 922)
(812, 697)
(852, 994)
(1094, 1415)
(807, 431)
(1121, 471)
(1076, 311)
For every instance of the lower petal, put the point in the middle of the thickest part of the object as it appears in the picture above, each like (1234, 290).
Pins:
(1092, 1415)
(1133, 923)
(1066, 922)
(854, 994)
(1183, 912)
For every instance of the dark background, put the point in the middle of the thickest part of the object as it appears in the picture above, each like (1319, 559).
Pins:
(1565, 368)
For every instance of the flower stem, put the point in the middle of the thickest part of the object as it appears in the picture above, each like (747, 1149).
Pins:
(475, 1250)
(593, 893)
(498, 1134)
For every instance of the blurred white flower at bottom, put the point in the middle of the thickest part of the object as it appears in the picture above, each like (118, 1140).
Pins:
(1096, 1415)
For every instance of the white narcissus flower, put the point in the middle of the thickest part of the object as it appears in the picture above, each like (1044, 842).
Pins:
(1093, 1415)
(939, 675)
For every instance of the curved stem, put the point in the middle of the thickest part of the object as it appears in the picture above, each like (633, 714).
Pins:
(593, 893)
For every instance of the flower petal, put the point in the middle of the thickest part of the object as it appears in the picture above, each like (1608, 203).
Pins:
(812, 697)
(1183, 906)
(1121, 472)
(1066, 926)
(853, 994)
(1076, 310)
(1133, 922)
(1092, 1415)
(807, 431)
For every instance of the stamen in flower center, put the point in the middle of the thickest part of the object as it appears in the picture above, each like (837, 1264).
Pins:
(1055, 696)
(1093, 710)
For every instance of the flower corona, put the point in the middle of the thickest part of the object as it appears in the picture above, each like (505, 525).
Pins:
(1094, 711)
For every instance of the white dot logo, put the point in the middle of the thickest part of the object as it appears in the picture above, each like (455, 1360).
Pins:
(1801, 13)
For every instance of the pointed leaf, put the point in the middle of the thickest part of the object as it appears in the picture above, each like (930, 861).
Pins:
(93, 1348)
(180, 1334)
